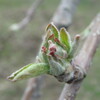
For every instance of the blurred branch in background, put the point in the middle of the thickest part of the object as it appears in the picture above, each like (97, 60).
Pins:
(83, 59)
(34, 86)
(29, 16)
(64, 14)
(62, 18)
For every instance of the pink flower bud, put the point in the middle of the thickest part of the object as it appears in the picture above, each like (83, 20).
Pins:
(52, 53)
(44, 49)
(52, 48)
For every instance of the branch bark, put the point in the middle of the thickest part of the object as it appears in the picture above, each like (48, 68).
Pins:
(64, 9)
(64, 14)
(84, 58)
(33, 86)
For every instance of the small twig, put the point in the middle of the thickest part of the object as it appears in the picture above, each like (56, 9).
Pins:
(84, 58)
(28, 17)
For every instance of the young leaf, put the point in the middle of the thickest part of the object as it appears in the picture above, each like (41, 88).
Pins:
(53, 29)
(65, 39)
(28, 71)
(75, 44)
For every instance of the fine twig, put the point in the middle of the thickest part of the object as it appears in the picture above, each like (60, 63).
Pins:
(29, 16)
(84, 58)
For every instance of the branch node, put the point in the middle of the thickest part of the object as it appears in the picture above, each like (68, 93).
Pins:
(76, 74)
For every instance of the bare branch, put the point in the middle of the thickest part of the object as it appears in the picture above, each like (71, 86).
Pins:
(84, 58)
(33, 89)
(64, 13)
(28, 17)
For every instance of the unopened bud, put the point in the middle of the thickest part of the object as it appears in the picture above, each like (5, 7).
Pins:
(44, 49)
(77, 37)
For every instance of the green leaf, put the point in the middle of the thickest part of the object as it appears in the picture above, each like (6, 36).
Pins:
(65, 39)
(53, 29)
(28, 71)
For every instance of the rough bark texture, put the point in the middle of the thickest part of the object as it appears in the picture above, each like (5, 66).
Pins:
(83, 59)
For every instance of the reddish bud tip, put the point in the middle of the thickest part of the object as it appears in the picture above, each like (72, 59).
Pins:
(77, 37)
(52, 53)
(52, 48)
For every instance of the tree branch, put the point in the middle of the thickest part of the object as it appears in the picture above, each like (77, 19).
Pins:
(28, 17)
(84, 58)
(33, 86)
(64, 14)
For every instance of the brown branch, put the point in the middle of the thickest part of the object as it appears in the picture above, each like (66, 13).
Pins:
(29, 89)
(28, 17)
(33, 89)
(84, 58)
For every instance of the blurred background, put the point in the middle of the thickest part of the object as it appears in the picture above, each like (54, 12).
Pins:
(18, 48)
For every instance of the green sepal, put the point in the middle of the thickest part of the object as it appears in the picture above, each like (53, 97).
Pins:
(29, 71)
(56, 68)
(65, 39)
